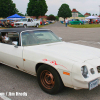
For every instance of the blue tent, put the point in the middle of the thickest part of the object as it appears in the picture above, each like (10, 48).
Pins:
(15, 16)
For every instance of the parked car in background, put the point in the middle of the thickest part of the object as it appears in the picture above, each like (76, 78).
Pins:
(86, 21)
(26, 22)
(75, 22)
(1, 24)
(99, 20)
(56, 63)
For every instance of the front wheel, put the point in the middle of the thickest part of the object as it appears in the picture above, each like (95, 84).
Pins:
(49, 79)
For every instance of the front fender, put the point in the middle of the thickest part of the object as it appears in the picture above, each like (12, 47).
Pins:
(53, 63)
(63, 68)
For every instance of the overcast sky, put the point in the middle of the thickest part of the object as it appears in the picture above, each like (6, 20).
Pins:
(83, 6)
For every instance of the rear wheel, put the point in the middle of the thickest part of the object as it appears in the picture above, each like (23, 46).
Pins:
(37, 25)
(49, 79)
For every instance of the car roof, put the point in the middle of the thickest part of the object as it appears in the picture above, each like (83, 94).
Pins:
(20, 29)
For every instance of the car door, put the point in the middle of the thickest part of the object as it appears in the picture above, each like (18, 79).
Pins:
(29, 22)
(28, 54)
(74, 22)
(11, 55)
(32, 22)
(78, 22)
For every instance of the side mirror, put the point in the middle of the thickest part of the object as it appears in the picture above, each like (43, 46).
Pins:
(15, 44)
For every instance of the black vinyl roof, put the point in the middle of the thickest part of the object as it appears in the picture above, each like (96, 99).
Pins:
(20, 29)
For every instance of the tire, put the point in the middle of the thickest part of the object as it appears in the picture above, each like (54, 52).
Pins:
(49, 80)
(80, 23)
(25, 26)
(37, 25)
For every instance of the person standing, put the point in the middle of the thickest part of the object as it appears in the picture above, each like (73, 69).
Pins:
(96, 21)
(66, 22)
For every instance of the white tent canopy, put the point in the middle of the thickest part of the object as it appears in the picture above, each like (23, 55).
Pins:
(92, 17)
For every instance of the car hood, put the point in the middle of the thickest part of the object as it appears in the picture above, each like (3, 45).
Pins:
(66, 50)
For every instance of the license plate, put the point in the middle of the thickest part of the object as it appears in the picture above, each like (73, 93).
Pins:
(93, 84)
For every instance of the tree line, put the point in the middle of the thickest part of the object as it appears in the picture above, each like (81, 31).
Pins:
(35, 8)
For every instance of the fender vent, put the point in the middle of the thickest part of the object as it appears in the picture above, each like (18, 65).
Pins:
(98, 68)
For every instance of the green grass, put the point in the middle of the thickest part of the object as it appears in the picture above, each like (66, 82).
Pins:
(85, 26)
(40, 26)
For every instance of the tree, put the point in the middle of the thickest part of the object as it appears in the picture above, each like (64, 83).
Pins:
(7, 8)
(57, 18)
(51, 17)
(37, 8)
(64, 11)
(20, 14)
(47, 15)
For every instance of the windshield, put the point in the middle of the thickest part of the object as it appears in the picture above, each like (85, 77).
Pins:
(21, 20)
(38, 37)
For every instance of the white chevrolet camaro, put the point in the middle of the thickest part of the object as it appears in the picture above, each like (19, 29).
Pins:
(56, 63)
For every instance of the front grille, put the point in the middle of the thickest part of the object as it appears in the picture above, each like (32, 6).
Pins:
(98, 68)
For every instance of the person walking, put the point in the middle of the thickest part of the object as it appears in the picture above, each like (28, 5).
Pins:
(66, 22)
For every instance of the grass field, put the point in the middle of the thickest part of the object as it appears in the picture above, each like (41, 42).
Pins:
(40, 26)
(85, 26)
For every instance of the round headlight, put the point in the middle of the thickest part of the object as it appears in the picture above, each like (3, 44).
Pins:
(84, 71)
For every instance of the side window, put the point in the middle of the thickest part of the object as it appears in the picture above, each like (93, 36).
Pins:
(77, 19)
(11, 38)
(29, 20)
